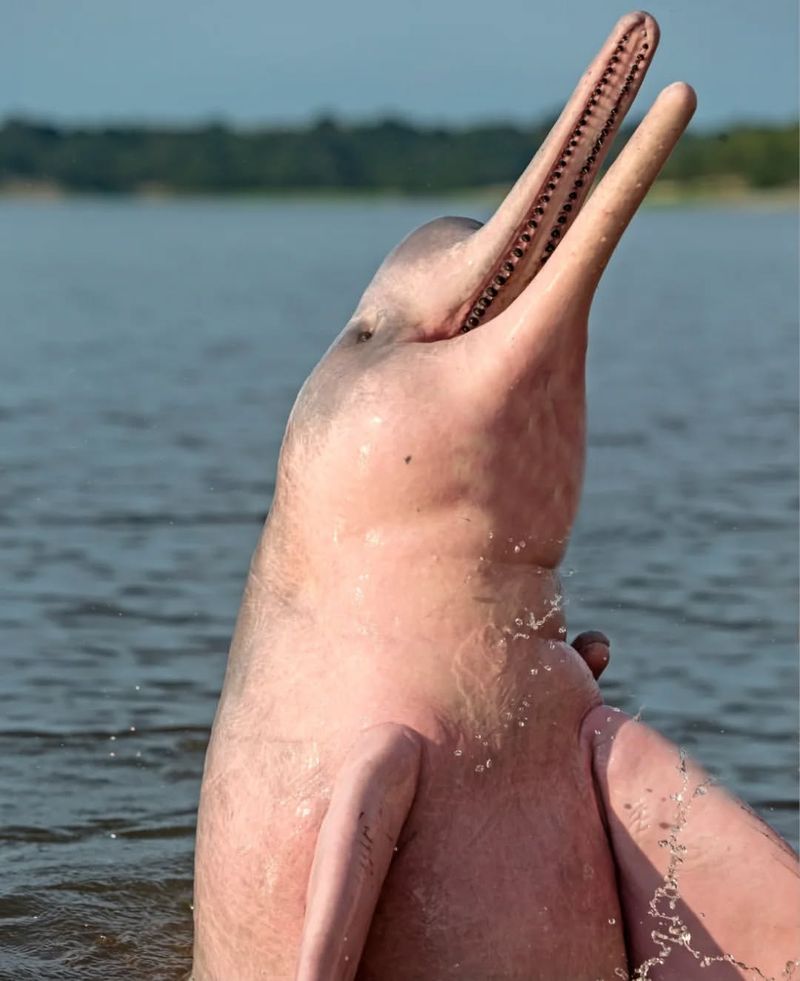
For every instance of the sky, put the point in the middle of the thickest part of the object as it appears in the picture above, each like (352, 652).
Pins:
(448, 61)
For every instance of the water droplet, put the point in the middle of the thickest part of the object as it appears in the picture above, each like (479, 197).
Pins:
(548, 667)
(458, 752)
(534, 670)
(612, 921)
(112, 835)
(479, 768)
(489, 763)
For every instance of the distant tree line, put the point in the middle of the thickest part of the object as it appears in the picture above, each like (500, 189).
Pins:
(390, 154)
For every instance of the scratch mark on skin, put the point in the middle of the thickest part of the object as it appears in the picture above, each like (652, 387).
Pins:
(365, 841)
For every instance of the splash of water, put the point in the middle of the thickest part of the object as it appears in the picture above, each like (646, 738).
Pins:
(671, 932)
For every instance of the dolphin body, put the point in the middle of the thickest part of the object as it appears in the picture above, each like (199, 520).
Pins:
(411, 775)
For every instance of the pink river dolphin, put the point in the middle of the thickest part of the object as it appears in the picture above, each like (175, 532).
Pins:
(411, 775)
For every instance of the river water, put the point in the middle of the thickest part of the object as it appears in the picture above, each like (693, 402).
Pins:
(149, 354)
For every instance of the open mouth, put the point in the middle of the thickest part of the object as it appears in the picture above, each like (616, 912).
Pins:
(539, 210)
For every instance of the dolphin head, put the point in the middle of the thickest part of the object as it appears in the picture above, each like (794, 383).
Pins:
(451, 407)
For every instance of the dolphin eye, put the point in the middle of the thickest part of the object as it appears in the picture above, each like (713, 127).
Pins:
(363, 335)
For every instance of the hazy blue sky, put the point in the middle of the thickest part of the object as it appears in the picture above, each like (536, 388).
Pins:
(450, 60)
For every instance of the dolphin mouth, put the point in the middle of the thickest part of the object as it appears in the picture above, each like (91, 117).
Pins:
(537, 213)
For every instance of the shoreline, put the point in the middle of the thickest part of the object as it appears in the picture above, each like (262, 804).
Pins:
(664, 194)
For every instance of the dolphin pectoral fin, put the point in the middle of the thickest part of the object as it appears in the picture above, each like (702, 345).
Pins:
(371, 799)
(703, 881)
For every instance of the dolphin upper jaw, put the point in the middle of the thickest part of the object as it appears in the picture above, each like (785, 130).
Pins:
(463, 273)
(468, 273)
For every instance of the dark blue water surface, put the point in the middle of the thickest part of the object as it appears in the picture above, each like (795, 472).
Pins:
(149, 354)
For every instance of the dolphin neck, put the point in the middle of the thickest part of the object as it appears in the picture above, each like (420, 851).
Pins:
(374, 589)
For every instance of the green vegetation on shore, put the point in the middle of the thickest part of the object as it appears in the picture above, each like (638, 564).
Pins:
(388, 155)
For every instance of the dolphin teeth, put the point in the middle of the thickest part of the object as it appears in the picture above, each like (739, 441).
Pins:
(524, 241)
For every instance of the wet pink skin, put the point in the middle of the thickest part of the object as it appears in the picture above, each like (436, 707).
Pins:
(408, 574)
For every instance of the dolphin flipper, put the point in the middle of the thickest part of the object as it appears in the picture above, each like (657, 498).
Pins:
(703, 881)
(371, 799)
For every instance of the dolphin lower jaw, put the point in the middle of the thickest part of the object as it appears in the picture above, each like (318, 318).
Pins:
(542, 206)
